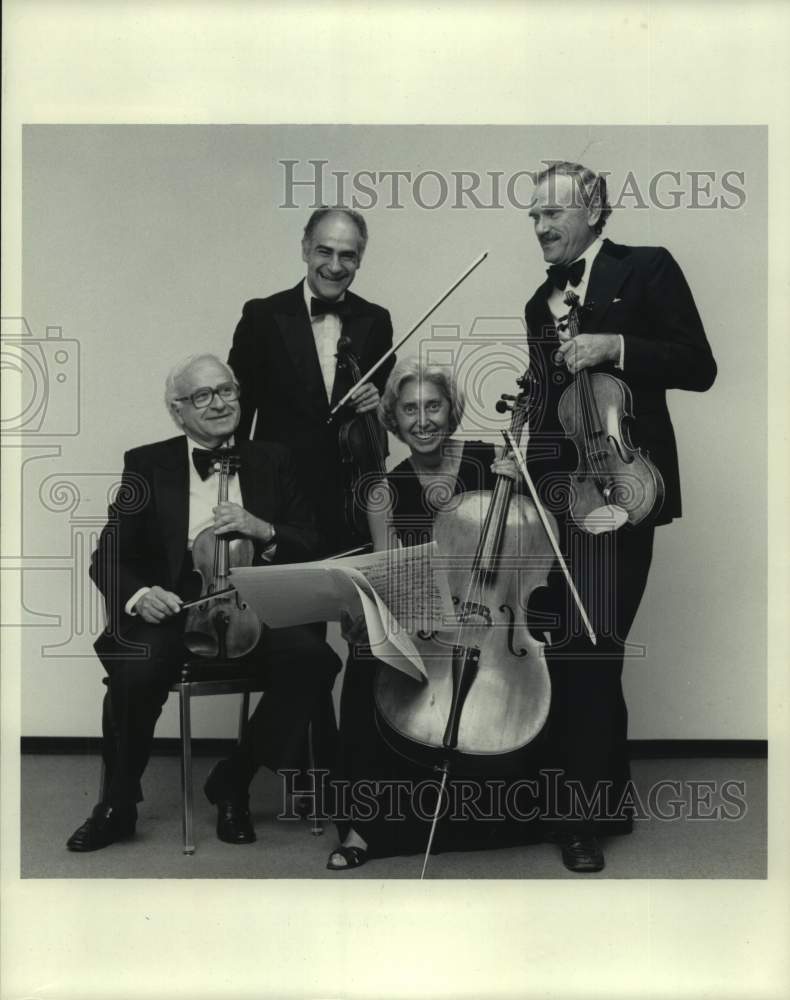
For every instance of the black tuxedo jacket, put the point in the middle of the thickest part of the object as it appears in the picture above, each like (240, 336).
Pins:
(145, 540)
(639, 292)
(275, 360)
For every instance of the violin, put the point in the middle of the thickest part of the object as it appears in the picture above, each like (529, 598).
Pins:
(363, 450)
(614, 481)
(488, 691)
(219, 624)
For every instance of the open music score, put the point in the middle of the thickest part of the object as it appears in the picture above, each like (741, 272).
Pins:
(399, 591)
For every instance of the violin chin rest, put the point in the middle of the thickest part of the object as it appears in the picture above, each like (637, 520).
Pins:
(608, 517)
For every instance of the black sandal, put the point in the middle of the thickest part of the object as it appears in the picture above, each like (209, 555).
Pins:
(354, 858)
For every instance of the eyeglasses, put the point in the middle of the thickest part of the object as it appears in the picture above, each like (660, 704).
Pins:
(228, 392)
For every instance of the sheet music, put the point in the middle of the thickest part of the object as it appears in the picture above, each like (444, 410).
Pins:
(399, 591)
(409, 583)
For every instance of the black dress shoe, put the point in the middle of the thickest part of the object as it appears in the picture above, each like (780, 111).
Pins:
(234, 825)
(104, 826)
(581, 853)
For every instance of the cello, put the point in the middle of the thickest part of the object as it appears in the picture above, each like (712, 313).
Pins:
(488, 690)
(614, 483)
(219, 624)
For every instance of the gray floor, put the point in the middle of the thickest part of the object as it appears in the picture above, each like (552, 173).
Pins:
(59, 792)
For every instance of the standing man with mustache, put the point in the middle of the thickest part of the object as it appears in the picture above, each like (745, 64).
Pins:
(284, 355)
(639, 324)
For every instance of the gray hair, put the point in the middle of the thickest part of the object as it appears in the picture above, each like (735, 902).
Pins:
(177, 372)
(592, 187)
(407, 369)
(324, 211)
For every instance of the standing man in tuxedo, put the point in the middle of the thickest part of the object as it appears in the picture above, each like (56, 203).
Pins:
(284, 353)
(640, 324)
(143, 568)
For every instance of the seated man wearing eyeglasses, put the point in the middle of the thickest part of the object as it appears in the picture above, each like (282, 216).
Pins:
(144, 569)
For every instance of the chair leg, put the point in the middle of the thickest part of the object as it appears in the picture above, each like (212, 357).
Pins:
(316, 826)
(186, 768)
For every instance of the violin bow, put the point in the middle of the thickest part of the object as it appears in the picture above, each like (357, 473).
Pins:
(374, 368)
(209, 597)
(545, 522)
(444, 769)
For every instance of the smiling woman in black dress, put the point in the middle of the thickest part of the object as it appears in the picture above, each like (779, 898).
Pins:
(423, 407)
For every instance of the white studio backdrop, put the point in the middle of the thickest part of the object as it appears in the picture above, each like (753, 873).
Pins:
(141, 243)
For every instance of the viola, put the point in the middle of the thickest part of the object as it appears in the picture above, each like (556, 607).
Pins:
(488, 691)
(219, 624)
(363, 451)
(614, 482)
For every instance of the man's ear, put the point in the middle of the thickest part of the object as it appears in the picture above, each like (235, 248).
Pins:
(593, 214)
(595, 207)
(305, 251)
(175, 413)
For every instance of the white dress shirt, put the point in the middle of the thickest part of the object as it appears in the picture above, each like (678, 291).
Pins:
(326, 332)
(203, 497)
(558, 308)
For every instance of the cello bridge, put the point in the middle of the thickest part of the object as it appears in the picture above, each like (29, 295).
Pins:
(471, 610)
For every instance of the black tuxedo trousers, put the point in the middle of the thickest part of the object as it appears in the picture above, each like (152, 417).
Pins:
(587, 728)
(298, 670)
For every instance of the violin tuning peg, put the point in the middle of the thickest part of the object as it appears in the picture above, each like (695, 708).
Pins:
(502, 406)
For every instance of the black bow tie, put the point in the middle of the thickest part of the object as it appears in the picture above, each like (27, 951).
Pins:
(320, 307)
(561, 274)
(206, 460)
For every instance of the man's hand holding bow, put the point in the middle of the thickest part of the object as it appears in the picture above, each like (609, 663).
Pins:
(156, 604)
(365, 398)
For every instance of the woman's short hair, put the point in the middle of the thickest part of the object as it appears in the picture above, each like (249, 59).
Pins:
(409, 369)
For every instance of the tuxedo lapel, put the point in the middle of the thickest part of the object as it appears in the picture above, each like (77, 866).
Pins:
(255, 481)
(171, 489)
(542, 325)
(297, 335)
(607, 277)
(357, 325)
